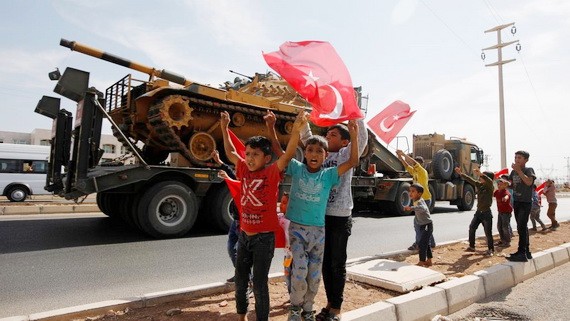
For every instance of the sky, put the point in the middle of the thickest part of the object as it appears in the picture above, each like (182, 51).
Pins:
(426, 53)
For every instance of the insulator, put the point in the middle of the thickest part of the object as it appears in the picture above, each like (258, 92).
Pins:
(513, 30)
(518, 47)
(482, 56)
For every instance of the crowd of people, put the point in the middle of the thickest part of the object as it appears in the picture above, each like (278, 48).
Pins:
(318, 211)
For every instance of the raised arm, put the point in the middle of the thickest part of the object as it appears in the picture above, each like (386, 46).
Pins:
(270, 120)
(353, 159)
(300, 122)
(229, 147)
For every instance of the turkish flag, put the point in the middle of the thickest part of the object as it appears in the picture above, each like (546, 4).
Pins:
(540, 188)
(388, 123)
(239, 146)
(316, 72)
(504, 171)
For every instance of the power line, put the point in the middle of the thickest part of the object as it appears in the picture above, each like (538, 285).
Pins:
(493, 12)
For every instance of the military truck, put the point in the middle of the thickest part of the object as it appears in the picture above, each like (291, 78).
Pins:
(155, 120)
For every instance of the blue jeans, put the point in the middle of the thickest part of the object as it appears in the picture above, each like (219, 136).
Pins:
(254, 252)
(232, 241)
(426, 233)
(417, 228)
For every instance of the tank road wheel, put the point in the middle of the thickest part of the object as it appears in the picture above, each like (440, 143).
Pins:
(201, 145)
(442, 164)
(222, 208)
(175, 110)
(467, 198)
(402, 199)
(167, 209)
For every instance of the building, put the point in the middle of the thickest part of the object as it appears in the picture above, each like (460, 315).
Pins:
(112, 148)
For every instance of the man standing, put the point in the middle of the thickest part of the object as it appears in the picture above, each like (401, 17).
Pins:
(522, 179)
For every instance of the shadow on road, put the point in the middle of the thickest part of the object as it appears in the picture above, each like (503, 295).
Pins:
(44, 233)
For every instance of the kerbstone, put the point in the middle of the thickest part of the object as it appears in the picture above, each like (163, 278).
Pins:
(462, 292)
(543, 261)
(78, 311)
(522, 271)
(184, 293)
(559, 255)
(374, 312)
(16, 318)
(420, 305)
(496, 279)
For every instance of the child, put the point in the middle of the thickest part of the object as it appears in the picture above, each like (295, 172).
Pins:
(483, 215)
(258, 219)
(550, 193)
(505, 209)
(310, 188)
(535, 211)
(423, 220)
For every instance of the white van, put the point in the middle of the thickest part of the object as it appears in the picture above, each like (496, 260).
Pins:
(23, 170)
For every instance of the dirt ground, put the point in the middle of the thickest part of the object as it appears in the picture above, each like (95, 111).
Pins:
(451, 260)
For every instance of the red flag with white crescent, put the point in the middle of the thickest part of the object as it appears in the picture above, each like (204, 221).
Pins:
(239, 146)
(504, 171)
(318, 74)
(388, 123)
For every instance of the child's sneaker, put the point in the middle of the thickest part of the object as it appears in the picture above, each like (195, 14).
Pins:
(322, 315)
(470, 249)
(332, 317)
(309, 316)
(489, 253)
(295, 314)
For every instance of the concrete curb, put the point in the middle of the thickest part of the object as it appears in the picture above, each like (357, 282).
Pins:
(49, 209)
(424, 304)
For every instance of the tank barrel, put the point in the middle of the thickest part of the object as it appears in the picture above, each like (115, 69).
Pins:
(90, 51)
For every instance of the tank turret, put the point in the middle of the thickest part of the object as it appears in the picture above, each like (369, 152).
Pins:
(169, 113)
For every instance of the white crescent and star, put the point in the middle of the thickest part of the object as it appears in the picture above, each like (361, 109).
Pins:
(387, 129)
(311, 80)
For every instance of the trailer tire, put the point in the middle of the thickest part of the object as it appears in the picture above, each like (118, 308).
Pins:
(467, 198)
(222, 208)
(167, 209)
(442, 164)
(402, 199)
(103, 203)
(17, 193)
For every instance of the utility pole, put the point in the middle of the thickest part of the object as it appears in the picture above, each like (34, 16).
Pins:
(500, 62)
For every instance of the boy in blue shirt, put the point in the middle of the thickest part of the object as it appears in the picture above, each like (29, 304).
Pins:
(310, 188)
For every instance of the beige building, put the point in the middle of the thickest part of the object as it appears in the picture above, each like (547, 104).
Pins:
(111, 146)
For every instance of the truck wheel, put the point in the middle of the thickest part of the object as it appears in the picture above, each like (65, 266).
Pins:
(442, 164)
(103, 203)
(433, 198)
(467, 199)
(402, 199)
(17, 193)
(167, 209)
(222, 208)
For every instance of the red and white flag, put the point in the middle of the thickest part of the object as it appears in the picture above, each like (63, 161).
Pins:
(388, 123)
(238, 145)
(504, 171)
(316, 72)
(540, 188)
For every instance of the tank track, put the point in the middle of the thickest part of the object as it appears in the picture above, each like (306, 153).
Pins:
(169, 137)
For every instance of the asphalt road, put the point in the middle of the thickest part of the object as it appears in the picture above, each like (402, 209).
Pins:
(54, 261)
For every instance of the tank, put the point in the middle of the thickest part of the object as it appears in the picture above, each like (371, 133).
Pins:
(168, 113)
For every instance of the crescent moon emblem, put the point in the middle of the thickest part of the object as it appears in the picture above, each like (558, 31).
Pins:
(337, 111)
(384, 128)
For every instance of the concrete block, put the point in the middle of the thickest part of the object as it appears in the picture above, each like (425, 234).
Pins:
(522, 271)
(543, 261)
(86, 208)
(51, 209)
(185, 293)
(559, 255)
(19, 210)
(567, 247)
(496, 279)
(80, 310)
(397, 276)
(420, 305)
(462, 292)
(16, 318)
(374, 312)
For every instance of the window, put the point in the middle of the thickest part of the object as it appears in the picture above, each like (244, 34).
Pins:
(109, 148)
(45, 142)
(124, 150)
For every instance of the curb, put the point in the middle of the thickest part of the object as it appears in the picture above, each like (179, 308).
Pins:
(49, 209)
(441, 299)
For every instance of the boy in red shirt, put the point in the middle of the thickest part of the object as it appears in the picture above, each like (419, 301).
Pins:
(258, 220)
(505, 209)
